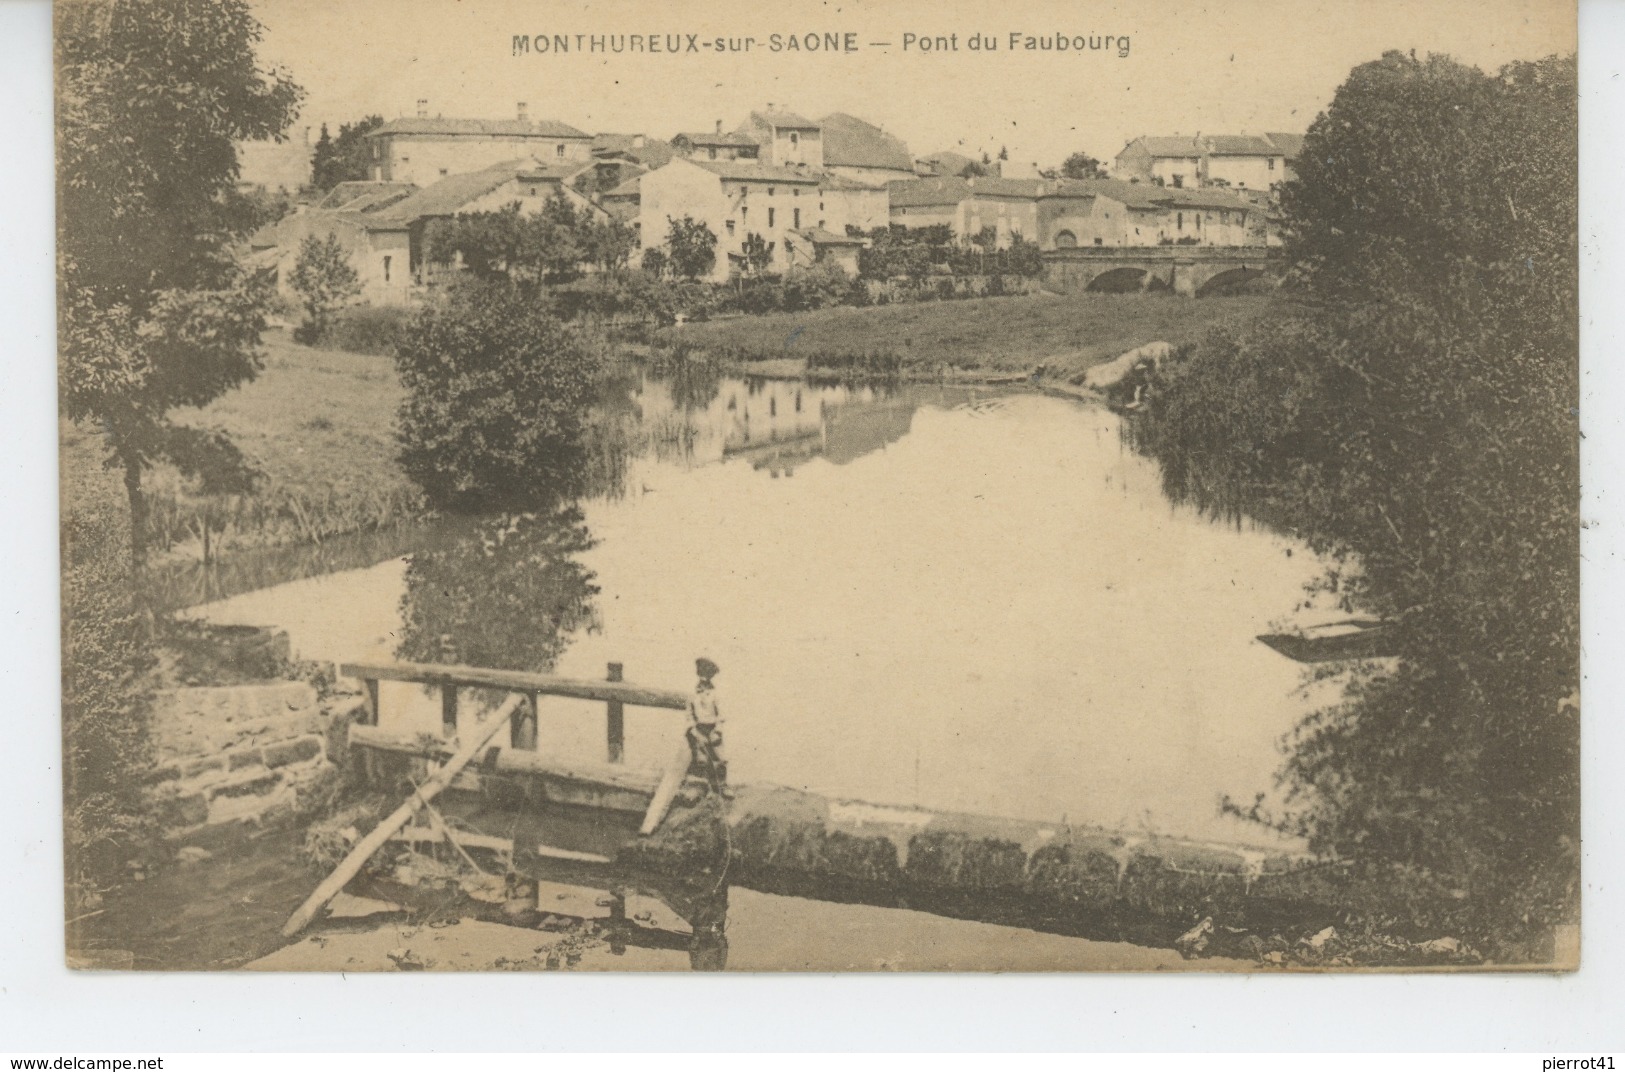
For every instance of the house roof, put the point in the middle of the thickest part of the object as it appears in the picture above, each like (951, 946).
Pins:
(1289, 144)
(1176, 147)
(784, 120)
(1204, 198)
(920, 193)
(831, 181)
(948, 162)
(820, 237)
(630, 188)
(1138, 195)
(751, 171)
(997, 186)
(851, 142)
(1240, 145)
(363, 195)
(450, 194)
(732, 139)
(506, 128)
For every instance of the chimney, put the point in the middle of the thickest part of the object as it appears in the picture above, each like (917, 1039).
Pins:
(719, 126)
(523, 112)
(423, 108)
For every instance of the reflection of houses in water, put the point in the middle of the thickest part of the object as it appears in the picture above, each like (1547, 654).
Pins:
(765, 419)
(779, 427)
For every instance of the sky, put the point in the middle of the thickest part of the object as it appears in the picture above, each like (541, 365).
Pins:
(1242, 66)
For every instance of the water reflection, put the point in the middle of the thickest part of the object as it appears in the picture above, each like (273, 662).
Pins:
(507, 593)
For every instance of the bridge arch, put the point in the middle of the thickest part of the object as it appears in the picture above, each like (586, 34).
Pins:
(1225, 280)
(1119, 280)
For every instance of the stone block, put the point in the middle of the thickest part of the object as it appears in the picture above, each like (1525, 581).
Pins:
(297, 750)
(254, 781)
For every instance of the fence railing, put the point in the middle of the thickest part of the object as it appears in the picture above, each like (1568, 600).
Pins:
(615, 693)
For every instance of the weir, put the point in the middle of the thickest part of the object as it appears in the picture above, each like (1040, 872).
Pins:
(619, 826)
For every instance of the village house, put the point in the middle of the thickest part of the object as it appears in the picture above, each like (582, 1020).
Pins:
(1006, 207)
(1253, 162)
(425, 149)
(862, 152)
(382, 225)
(946, 164)
(1115, 213)
(791, 209)
(716, 145)
(785, 139)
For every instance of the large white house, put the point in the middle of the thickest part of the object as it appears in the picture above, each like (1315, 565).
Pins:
(426, 149)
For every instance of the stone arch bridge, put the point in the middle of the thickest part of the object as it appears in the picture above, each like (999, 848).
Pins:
(1187, 270)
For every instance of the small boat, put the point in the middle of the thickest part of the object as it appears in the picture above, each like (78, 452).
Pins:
(1350, 638)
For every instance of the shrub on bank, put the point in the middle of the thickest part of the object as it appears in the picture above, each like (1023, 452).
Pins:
(106, 694)
(498, 389)
(367, 329)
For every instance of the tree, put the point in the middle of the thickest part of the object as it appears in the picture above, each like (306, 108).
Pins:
(692, 247)
(324, 279)
(546, 246)
(973, 170)
(153, 310)
(656, 262)
(1415, 423)
(1082, 166)
(757, 254)
(347, 158)
(497, 390)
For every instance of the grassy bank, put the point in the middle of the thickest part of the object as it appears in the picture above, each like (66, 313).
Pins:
(319, 426)
(976, 338)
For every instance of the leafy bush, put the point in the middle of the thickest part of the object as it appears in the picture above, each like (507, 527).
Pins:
(106, 693)
(367, 329)
(497, 390)
(324, 279)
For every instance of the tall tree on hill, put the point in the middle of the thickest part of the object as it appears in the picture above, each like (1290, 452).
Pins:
(347, 158)
(154, 312)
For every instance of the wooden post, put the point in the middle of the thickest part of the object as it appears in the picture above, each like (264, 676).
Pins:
(372, 700)
(448, 710)
(617, 721)
(526, 723)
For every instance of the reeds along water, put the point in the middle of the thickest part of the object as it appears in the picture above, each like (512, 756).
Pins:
(205, 527)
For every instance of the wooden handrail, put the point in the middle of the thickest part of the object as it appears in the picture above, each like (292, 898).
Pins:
(517, 681)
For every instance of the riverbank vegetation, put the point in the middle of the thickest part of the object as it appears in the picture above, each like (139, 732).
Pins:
(1416, 422)
(978, 336)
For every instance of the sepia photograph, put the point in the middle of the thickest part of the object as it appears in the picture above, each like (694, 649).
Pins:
(902, 487)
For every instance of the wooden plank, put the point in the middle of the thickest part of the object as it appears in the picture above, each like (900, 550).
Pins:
(519, 681)
(473, 841)
(571, 854)
(351, 865)
(510, 761)
(666, 792)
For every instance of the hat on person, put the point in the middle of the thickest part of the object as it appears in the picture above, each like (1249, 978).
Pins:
(706, 668)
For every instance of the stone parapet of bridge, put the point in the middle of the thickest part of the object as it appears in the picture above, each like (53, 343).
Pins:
(1190, 271)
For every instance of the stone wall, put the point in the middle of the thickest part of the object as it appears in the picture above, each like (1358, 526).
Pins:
(240, 756)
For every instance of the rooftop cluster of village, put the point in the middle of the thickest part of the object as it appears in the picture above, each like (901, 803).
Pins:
(808, 189)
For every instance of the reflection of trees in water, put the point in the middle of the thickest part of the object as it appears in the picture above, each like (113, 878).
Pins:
(508, 593)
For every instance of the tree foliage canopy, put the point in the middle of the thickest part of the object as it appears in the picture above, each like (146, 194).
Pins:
(553, 245)
(324, 279)
(497, 390)
(154, 311)
(347, 158)
(1416, 422)
(691, 247)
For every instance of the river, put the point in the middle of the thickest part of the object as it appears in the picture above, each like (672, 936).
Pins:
(956, 598)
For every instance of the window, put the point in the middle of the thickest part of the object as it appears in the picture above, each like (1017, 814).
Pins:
(770, 191)
(795, 139)
(1179, 181)
(820, 225)
(1272, 163)
(1180, 220)
(795, 191)
(713, 152)
(1065, 240)
(387, 259)
(558, 150)
(744, 213)
(770, 215)
(444, 172)
(1100, 241)
(730, 226)
(795, 219)
(533, 191)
